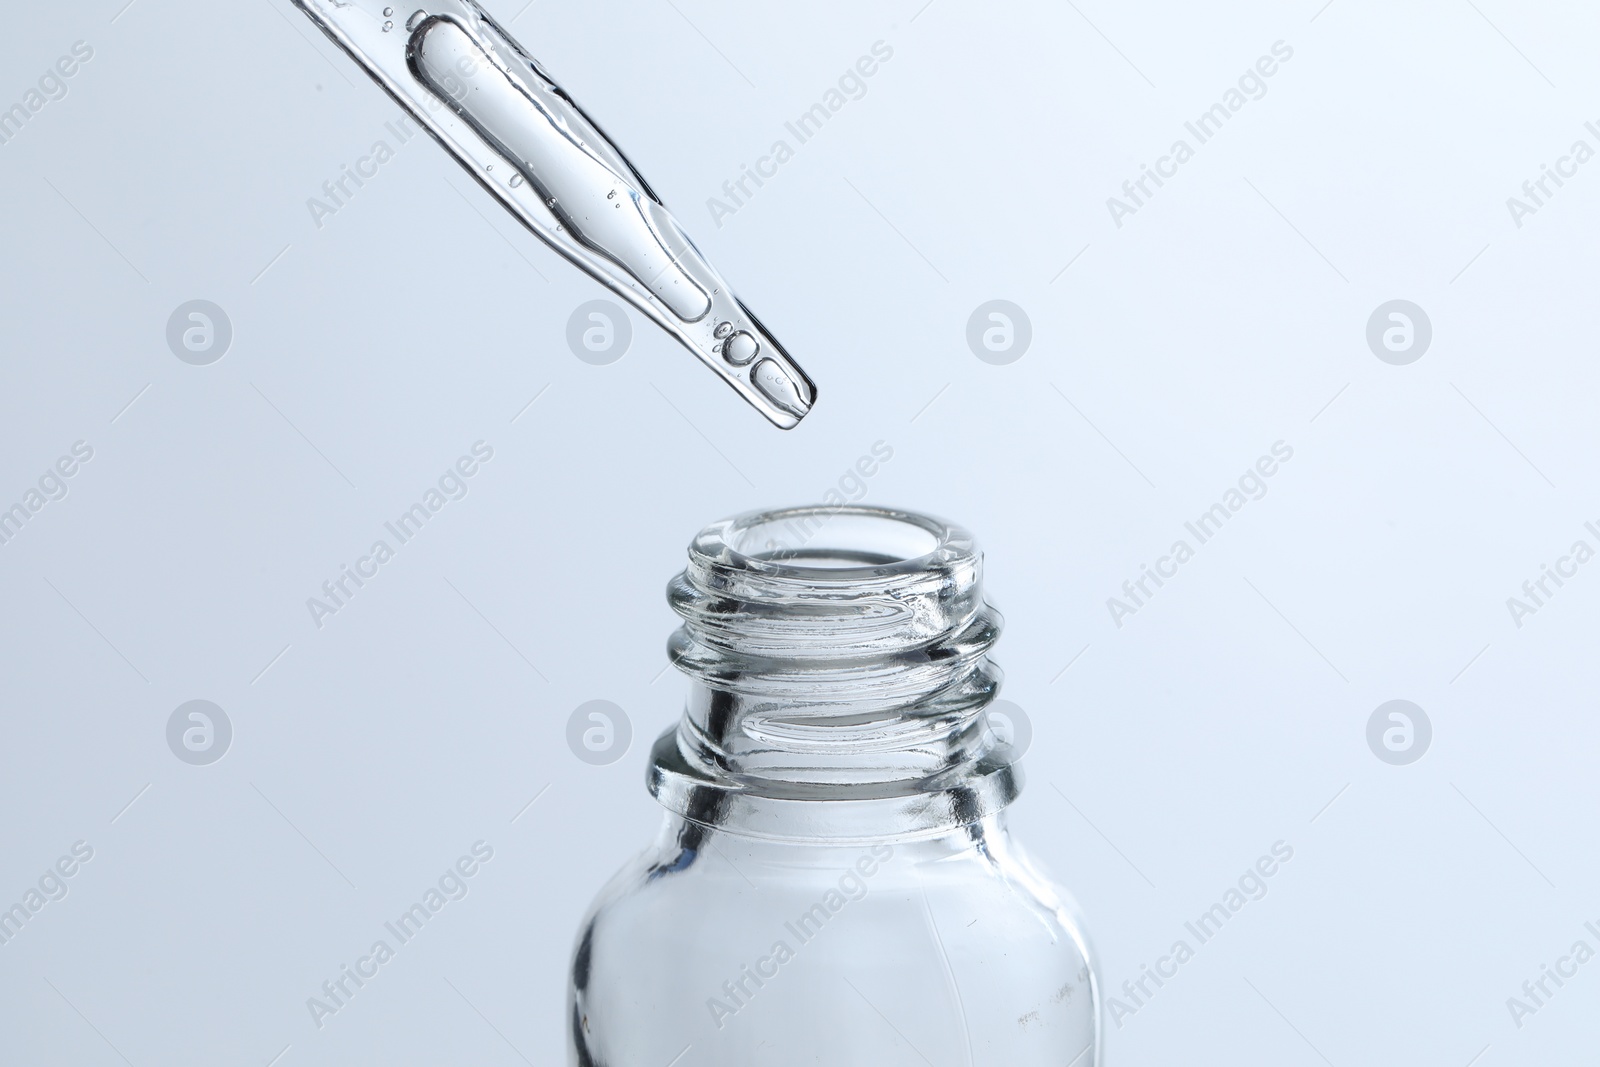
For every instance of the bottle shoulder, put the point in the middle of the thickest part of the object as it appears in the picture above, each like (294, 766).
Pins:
(700, 881)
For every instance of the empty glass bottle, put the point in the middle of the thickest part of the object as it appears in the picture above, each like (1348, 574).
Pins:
(834, 882)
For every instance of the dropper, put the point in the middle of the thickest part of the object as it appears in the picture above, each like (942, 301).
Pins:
(518, 133)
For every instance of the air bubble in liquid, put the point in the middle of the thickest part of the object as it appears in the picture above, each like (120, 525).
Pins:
(516, 181)
(416, 19)
(740, 349)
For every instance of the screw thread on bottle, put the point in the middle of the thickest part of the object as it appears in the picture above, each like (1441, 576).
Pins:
(834, 654)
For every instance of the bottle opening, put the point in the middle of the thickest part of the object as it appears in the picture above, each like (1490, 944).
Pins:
(829, 542)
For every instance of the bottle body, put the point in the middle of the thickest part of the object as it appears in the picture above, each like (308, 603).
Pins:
(941, 949)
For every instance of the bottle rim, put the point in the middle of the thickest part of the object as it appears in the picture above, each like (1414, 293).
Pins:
(863, 543)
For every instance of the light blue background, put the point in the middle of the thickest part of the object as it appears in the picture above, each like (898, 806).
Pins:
(1226, 315)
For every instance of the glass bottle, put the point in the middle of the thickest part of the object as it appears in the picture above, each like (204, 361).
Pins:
(833, 882)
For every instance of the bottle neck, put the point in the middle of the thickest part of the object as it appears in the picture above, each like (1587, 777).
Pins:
(840, 677)
(754, 857)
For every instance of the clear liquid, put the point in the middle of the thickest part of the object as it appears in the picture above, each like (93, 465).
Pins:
(587, 196)
(491, 105)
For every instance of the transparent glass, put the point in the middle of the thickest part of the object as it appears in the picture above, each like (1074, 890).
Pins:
(834, 882)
